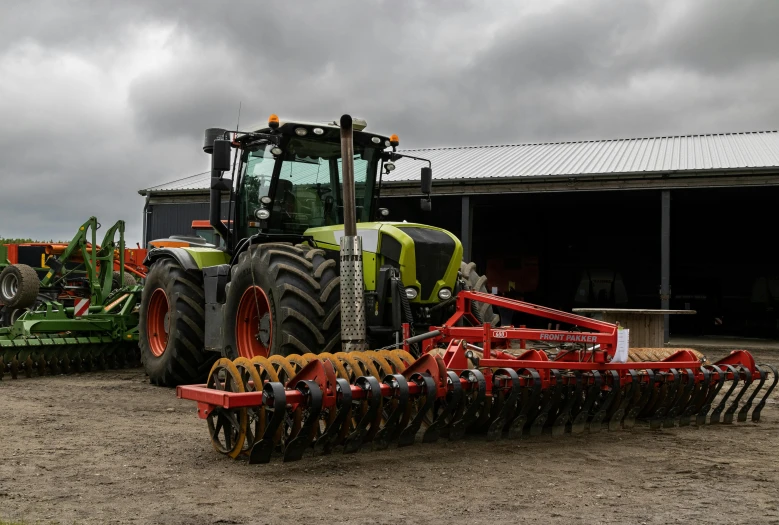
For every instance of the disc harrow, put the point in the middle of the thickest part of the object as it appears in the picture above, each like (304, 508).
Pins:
(66, 355)
(317, 404)
(77, 313)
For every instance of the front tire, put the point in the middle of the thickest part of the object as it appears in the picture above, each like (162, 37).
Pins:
(478, 283)
(282, 300)
(171, 326)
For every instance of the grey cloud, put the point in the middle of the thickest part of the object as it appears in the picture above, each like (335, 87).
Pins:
(100, 99)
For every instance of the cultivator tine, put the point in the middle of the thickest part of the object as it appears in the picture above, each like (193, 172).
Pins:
(700, 418)
(605, 400)
(508, 400)
(455, 402)
(397, 404)
(681, 400)
(445, 409)
(643, 392)
(332, 433)
(407, 435)
(573, 394)
(262, 449)
(368, 424)
(529, 400)
(717, 412)
(473, 403)
(304, 436)
(730, 412)
(615, 421)
(667, 394)
(761, 404)
(549, 398)
(697, 398)
(744, 412)
(581, 418)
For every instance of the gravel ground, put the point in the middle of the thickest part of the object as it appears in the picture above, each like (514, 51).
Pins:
(110, 448)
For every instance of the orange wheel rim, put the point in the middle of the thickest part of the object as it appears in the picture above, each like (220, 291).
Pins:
(158, 322)
(253, 324)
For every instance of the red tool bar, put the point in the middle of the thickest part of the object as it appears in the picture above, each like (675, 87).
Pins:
(574, 365)
(532, 309)
(476, 333)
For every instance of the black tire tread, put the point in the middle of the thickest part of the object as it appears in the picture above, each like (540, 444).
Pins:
(28, 287)
(129, 280)
(304, 286)
(478, 283)
(185, 359)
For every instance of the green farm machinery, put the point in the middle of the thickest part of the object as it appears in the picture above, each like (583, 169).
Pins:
(75, 310)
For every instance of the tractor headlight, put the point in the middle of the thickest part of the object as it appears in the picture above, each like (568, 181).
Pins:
(444, 294)
(411, 293)
(262, 214)
(276, 151)
(265, 200)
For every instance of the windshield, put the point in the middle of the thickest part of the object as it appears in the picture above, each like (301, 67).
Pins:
(308, 190)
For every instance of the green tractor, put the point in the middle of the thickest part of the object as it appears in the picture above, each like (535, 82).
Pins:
(289, 277)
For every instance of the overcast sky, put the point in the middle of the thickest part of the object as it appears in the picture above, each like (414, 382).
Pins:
(99, 99)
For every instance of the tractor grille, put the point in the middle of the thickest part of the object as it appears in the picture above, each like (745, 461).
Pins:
(433, 250)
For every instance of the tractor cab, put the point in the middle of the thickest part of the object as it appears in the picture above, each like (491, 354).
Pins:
(294, 183)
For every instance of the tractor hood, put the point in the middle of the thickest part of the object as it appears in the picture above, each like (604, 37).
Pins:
(428, 258)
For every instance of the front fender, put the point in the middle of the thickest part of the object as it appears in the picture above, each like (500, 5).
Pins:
(190, 258)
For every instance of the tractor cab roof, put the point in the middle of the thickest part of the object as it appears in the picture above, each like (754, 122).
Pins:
(325, 130)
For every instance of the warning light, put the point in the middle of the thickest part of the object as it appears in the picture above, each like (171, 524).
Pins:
(273, 121)
(394, 140)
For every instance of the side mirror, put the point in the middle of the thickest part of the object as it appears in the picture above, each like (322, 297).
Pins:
(426, 175)
(220, 158)
(425, 204)
(211, 135)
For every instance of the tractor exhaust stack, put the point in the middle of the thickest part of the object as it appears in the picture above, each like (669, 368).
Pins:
(353, 337)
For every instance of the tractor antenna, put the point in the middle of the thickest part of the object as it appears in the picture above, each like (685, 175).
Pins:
(238, 122)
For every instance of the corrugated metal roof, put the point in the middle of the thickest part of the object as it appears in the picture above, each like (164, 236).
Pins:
(640, 155)
(199, 181)
(658, 154)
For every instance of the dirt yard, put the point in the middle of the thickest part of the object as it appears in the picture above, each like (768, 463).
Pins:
(110, 448)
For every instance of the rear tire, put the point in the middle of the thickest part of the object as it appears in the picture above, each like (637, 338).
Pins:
(171, 326)
(282, 300)
(19, 286)
(478, 283)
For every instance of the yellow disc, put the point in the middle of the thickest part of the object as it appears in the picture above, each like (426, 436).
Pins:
(232, 383)
(352, 367)
(397, 363)
(404, 356)
(340, 371)
(367, 364)
(297, 362)
(381, 364)
(256, 416)
(283, 368)
(264, 368)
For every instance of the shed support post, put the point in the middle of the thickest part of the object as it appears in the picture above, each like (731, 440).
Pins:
(466, 229)
(665, 258)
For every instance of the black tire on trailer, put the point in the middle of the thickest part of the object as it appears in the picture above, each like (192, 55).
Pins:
(478, 283)
(282, 300)
(171, 326)
(19, 286)
(129, 280)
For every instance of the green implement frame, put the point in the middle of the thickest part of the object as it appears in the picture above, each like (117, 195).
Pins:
(51, 337)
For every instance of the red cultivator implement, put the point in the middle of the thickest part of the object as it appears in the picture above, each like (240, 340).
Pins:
(469, 379)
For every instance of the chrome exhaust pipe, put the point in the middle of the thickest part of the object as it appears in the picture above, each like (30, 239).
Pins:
(353, 322)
